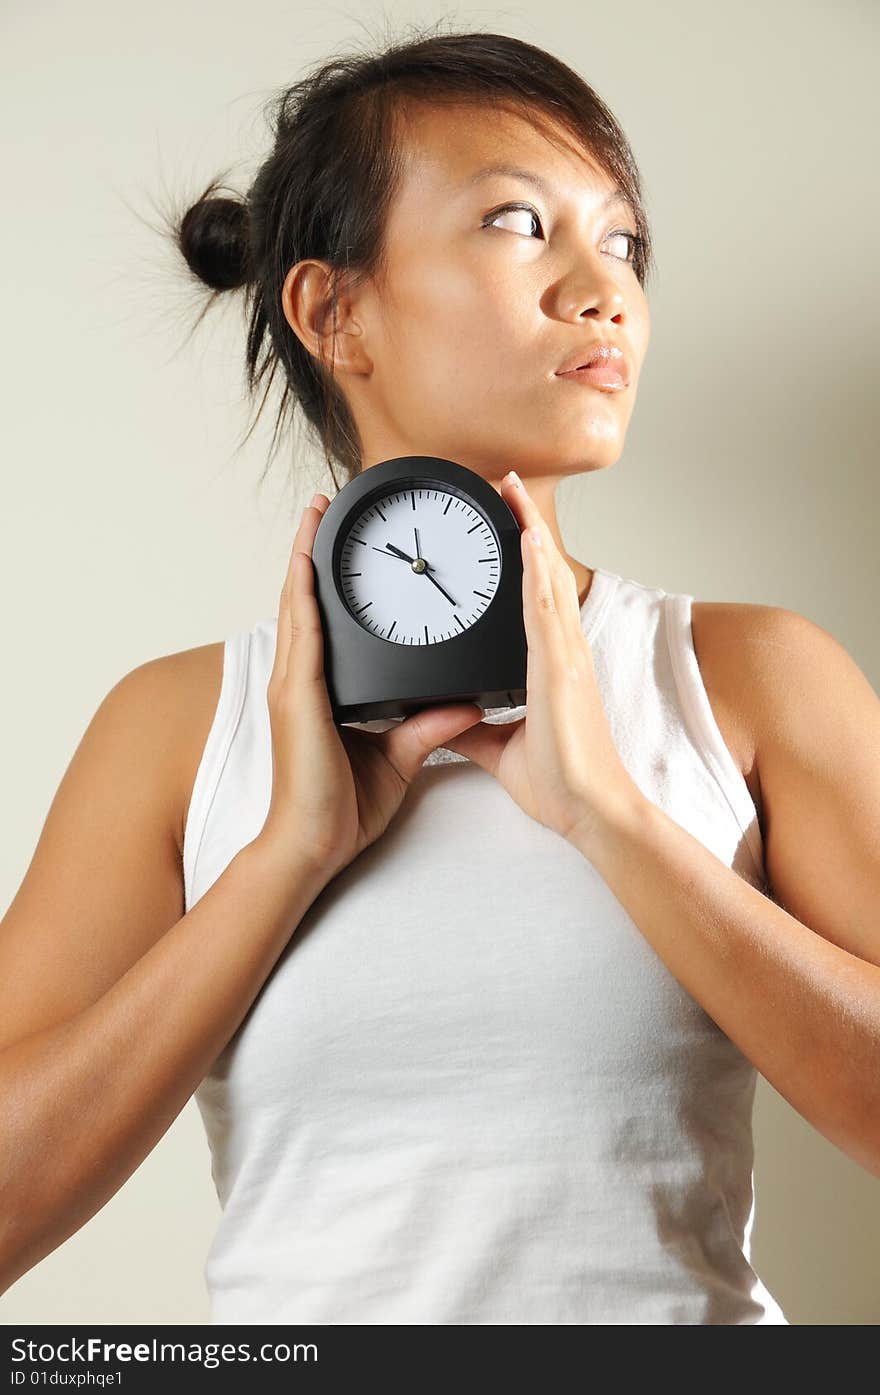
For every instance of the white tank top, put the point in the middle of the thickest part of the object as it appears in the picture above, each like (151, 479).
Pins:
(470, 1091)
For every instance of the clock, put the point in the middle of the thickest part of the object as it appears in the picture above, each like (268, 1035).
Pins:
(418, 580)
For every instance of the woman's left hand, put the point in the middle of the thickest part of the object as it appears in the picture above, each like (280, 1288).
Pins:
(559, 763)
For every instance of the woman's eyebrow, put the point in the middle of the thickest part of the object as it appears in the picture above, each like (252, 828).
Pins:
(616, 195)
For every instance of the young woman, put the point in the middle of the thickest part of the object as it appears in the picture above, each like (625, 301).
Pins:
(472, 1010)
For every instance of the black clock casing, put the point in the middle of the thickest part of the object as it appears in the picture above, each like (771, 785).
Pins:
(369, 676)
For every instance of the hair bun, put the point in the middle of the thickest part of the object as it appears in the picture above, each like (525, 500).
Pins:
(215, 240)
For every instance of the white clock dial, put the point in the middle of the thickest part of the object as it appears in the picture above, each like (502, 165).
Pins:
(419, 566)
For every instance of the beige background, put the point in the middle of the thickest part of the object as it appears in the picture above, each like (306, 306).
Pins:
(129, 529)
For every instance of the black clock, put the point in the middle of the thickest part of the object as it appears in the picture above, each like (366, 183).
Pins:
(418, 579)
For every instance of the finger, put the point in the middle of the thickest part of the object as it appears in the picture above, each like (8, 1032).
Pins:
(309, 520)
(556, 664)
(282, 628)
(484, 743)
(528, 515)
(410, 742)
(539, 613)
(306, 651)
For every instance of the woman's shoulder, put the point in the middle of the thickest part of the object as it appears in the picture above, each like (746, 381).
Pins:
(722, 631)
(187, 684)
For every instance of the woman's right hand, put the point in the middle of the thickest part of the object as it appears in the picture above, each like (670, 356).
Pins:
(334, 789)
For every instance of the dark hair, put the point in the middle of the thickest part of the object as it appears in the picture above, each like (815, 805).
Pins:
(325, 189)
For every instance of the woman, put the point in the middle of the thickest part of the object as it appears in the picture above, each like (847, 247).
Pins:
(472, 1010)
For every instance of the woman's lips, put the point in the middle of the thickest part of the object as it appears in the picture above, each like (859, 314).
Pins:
(601, 364)
(605, 374)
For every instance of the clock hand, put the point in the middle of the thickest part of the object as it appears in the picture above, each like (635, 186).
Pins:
(391, 551)
(440, 588)
(426, 569)
(397, 553)
(405, 556)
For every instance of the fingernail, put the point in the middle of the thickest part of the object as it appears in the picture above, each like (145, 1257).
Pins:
(314, 503)
(515, 480)
(535, 536)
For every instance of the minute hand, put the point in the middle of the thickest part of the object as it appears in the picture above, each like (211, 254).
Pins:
(428, 569)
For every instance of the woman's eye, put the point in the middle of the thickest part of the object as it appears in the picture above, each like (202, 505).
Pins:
(528, 212)
(629, 237)
(510, 209)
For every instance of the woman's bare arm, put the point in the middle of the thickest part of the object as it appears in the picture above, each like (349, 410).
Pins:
(114, 1003)
(85, 1101)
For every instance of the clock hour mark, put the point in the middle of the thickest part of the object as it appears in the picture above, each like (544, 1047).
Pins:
(365, 607)
(458, 622)
(475, 527)
(359, 540)
(413, 497)
(391, 631)
(485, 559)
(381, 514)
(348, 574)
(426, 634)
(448, 502)
(482, 595)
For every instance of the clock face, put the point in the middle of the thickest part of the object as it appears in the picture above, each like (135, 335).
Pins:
(419, 565)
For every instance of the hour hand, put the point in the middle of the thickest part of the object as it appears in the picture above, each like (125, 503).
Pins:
(397, 553)
(389, 550)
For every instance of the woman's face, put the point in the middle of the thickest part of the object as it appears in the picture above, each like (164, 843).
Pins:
(456, 352)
